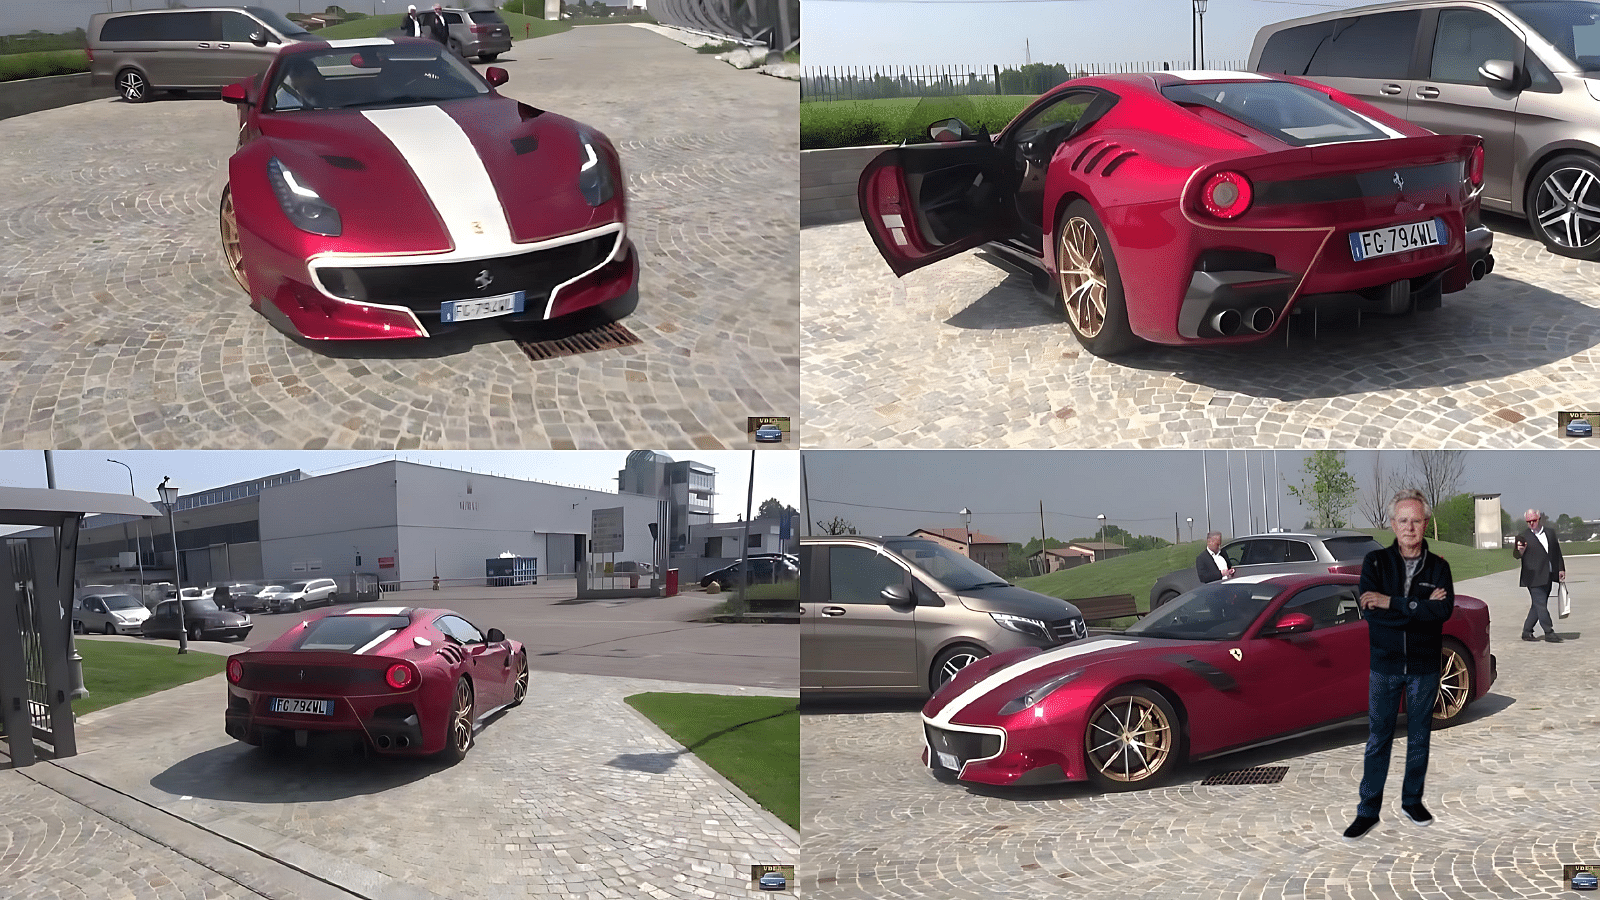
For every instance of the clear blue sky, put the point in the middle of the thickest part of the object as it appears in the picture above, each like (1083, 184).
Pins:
(777, 472)
(994, 32)
(898, 491)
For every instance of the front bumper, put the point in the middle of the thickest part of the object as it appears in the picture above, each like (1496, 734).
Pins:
(226, 632)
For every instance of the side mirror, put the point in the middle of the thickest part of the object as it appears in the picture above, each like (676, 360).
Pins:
(947, 130)
(897, 595)
(496, 636)
(1498, 73)
(496, 76)
(1291, 623)
(259, 37)
(236, 93)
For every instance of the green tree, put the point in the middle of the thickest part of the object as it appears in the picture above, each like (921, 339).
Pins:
(1455, 520)
(837, 526)
(771, 508)
(1331, 491)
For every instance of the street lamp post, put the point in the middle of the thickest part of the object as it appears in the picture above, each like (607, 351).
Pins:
(136, 553)
(1102, 518)
(169, 497)
(1200, 10)
(966, 518)
(1191, 528)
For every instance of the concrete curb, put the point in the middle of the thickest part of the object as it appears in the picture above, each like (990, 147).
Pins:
(29, 95)
(828, 183)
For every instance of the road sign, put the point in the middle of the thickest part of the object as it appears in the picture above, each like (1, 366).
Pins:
(605, 530)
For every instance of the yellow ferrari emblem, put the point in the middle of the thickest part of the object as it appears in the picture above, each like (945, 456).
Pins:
(1237, 654)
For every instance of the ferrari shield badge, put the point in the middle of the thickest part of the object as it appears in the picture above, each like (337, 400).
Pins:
(1237, 654)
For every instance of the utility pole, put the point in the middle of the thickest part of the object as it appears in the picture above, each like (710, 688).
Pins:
(1205, 488)
(1177, 532)
(1233, 524)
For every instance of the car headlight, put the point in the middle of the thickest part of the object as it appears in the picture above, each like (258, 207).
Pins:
(1022, 625)
(1034, 695)
(594, 175)
(303, 206)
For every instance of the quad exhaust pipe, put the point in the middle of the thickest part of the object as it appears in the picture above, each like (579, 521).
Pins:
(1229, 322)
(384, 741)
(1482, 266)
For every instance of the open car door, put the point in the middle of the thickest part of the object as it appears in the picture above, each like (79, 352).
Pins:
(927, 202)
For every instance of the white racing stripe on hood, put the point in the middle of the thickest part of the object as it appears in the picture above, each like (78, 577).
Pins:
(1016, 670)
(453, 175)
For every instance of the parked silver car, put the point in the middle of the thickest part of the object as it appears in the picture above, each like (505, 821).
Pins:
(144, 51)
(1278, 553)
(109, 614)
(1519, 73)
(475, 32)
(301, 594)
(260, 601)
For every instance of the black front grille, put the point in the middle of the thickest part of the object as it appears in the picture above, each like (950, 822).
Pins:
(422, 287)
(264, 677)
(963, 745)
(1065, 630)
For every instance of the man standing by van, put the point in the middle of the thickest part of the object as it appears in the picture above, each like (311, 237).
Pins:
(1211, 565)
(1542, 566)
(438, 29)
(411, 26)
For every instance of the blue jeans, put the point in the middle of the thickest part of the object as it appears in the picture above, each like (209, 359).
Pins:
(1538, 610)
(1384, 693)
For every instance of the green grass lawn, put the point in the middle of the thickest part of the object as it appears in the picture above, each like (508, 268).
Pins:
(753, 742)
(855, 123)
(371, 26)
(115, 672)
(15, 66)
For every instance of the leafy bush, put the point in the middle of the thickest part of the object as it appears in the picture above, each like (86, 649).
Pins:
(722, 47)
(855, 123)
(16, 66)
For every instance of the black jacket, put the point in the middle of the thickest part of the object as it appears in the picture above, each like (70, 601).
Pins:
(438, 28)
(1538, 567)
(411, 25)
(1408, 637)
(1206, 568)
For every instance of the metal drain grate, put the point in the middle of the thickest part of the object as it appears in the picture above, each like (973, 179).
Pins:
(1257, 775)
(606, 337)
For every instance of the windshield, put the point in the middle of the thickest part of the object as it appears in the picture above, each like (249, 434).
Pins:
(297, 587)
(1219, 611)
(1289, 112)
(347, 633)
(121, 601)
(1572, 27)
(1351, 547)
(946, 566)
(272, 588)
(369, 76)
(200, 604)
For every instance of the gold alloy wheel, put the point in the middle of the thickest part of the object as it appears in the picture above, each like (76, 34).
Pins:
(1129, 739)
(1455, 685)
(461, 719)
(1083, 276)
(230, 241)
(520, 690)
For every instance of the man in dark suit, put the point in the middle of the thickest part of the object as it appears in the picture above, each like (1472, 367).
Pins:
(1211, 565)
(438, 28)
(1542, 565)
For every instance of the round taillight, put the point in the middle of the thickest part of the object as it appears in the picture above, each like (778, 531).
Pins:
(1475, 166)
(1226, 195)
(235, 671)
(399, 676)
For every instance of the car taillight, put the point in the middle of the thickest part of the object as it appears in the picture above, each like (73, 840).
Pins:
(235, 671)
(399, 676)
(480, 29)
(1475, 166)
(1226, 195)
(90, 51)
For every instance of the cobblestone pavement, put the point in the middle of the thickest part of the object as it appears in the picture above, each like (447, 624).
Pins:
(123, 328)
(1513, 790)
(571, 794)
(965, 354)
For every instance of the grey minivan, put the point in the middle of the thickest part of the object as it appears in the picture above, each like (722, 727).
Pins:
(144, 51)
(1522, 74)
(903, 615)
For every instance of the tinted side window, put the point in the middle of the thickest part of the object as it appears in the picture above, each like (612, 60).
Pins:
(858, 575)
(188, 26)
(1265, 551)
(237, 26)
(1299, 551)
(1328, 605)
(460, 629)
(1376, 46)
(1289, 51)
(452, 18)
(1465, 40)
(133, 28)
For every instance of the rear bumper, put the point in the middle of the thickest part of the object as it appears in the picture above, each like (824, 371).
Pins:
(385, 724)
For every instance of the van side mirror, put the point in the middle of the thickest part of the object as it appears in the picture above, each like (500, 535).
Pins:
(260, 38)
(897, 595)
(1499, 73)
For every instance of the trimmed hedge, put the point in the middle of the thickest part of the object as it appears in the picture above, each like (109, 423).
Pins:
(857, 123)
(16, 66)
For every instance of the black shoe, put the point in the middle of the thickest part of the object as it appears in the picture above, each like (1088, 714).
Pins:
(1554, 638)
(1359, 828)
(1417, 813)
(1529, 637)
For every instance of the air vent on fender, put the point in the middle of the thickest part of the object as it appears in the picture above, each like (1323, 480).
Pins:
(1116, 161)
(451, 653)
(525, 144)
(344, 162)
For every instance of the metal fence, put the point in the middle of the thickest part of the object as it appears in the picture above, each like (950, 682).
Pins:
(887, 82)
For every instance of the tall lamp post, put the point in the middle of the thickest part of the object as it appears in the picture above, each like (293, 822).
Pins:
(1191, 528)
(966, 519)
(1102, 518)
(1200, 10)
(136, 552)
(169, 497)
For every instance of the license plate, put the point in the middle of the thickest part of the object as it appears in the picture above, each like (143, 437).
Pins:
(949, 761)
(483, 308)
(296, 705)
(1397, 239)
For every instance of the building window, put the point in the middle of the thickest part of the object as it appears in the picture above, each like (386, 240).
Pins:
(755, 541)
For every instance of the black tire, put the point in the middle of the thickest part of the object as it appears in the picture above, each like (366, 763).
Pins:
(132, 86)
(456, 741)
(110, 629)
(1552, 206)
(1456, 682)
(519, 687)
(78, 627)
(488, 57)
(951, 661)
(1165, 598)
(1133, 740)
(299, 605)
(194, 632)
(1089, 284)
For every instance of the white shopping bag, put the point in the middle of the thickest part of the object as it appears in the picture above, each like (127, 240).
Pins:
(1564, 599)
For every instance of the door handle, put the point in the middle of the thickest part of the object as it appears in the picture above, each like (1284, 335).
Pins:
(1391, 89)
(224, 46)
(205, 44)
(1427, 93)
(833, 610)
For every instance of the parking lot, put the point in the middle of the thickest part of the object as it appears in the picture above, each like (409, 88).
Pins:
(123, 327)
(965, 353)
(1512, 789)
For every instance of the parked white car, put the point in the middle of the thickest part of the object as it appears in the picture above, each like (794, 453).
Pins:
(301, 594)
(109, 614)
(260, 601)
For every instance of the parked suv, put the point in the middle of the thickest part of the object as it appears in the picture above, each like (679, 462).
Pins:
(1279, 553)
(1516, 72)
(143, 51)
(475, 32)
(108, 614)
(902, 615)
(300, 594)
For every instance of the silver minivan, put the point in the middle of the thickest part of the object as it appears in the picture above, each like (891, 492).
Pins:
(144, 51)
(1522, 74)
(903, 615)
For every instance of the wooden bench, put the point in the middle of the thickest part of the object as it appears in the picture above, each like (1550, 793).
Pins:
(1111, 606)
